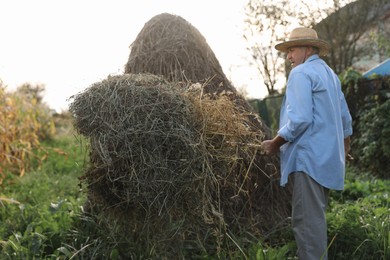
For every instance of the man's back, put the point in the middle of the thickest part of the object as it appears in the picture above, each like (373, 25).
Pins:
(311, 120)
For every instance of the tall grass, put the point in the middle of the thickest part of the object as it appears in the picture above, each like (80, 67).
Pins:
(24, 122)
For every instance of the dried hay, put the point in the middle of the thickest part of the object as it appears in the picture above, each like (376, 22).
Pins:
(143, 145)
(177, 168)
(169, 46)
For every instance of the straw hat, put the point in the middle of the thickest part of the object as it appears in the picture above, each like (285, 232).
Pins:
(304, 37)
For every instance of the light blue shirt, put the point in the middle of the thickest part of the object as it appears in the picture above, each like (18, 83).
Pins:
(314, 120)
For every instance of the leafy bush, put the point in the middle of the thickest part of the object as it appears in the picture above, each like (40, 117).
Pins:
(42, 205)
(260, 251)
(372, 147)
(34, 230)
(368, 101)
(359, 219)
(360, 230)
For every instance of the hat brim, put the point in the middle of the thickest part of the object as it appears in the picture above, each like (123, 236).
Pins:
(323, 46)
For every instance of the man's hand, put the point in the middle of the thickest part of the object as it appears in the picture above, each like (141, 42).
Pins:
(347, 148)
(271, 147)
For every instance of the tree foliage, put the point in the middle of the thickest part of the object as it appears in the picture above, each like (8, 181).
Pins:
(374, 139)
(340, 22)
(368, 103)
(344, 28)
(32, 92)
(266, 25)
(382, 39)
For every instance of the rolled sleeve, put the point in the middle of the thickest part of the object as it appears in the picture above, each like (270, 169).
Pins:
(299, 108)
(285, 134)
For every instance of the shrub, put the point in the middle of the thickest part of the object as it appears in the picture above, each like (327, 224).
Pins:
(42, 206)
(358, 219)
(372, 147)
(360, 230)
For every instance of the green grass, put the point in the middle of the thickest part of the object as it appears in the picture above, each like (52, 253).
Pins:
(42, 217)
(46, 203)
(359, 219)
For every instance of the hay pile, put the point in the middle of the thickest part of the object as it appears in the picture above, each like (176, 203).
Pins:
(177, 165)
(170, 46)
(142, 142)
(174, 164)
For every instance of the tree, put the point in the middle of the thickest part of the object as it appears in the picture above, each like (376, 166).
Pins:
(270, 22)
(344, 28)
(340, 22)
(32, 92)
(382, 40)
(265, 26)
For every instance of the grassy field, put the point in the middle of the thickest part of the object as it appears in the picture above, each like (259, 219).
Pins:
(41, 216)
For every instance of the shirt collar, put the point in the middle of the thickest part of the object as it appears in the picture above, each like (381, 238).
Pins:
(312, 57)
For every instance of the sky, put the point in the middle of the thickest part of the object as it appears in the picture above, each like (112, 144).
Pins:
(67, 45)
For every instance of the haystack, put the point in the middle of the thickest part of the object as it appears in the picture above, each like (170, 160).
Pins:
(171, 47)
(169, 165)
(177, 165)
